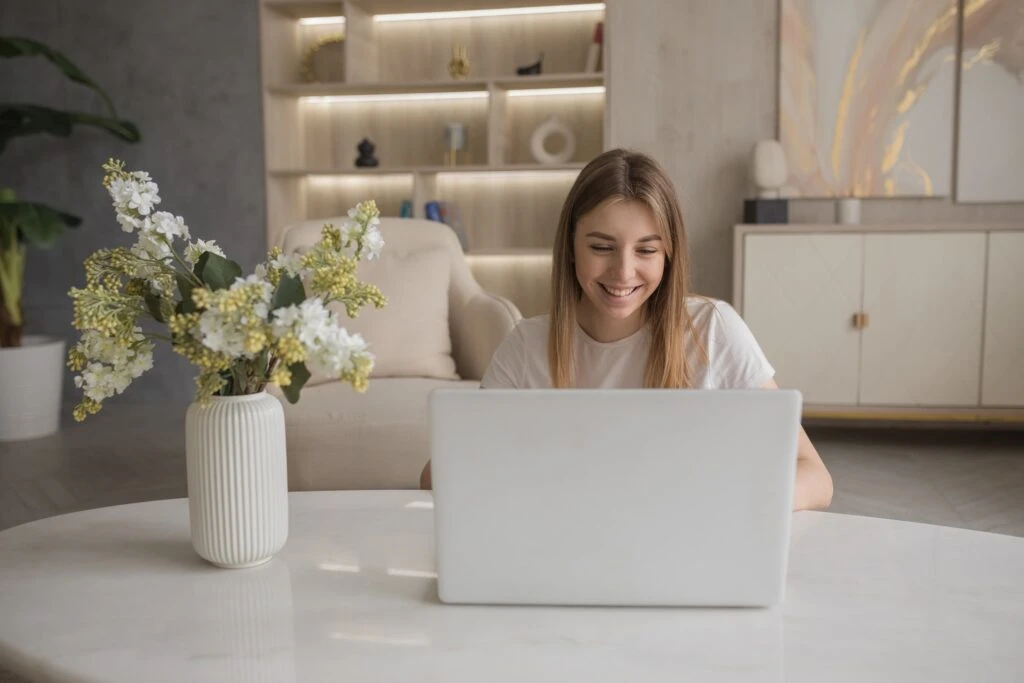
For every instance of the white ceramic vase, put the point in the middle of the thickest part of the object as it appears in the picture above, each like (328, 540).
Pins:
(848, 210)
(237, 479)
(31, 385)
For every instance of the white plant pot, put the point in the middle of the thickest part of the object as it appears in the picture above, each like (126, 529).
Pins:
(31, 385)
(237, 479)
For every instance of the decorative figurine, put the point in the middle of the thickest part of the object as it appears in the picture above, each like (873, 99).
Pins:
(366, 158)
(458, 67)
(531, 69)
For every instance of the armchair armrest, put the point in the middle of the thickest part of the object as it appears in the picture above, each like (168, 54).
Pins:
(477, 329)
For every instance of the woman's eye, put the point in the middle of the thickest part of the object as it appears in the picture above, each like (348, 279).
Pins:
(648, 252)
(601, 247)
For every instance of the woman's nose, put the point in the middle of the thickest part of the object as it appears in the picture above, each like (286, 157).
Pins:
(623, 267)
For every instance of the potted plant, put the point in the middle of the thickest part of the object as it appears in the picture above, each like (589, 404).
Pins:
(242, 333)
(32, 366)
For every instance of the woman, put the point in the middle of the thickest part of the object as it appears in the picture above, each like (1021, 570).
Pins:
(621, 313)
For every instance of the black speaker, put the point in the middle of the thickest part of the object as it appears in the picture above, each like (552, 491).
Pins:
(765, 211)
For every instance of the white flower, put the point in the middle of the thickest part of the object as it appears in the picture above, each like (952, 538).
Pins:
(143, 194)
(289, 263)
(152, 246)
(330, 349)
(112, 367)
(284, 320)
(169, 225)
(220, 333)
(261, 271)
(130, 223)
(196, 249)
(373, 242)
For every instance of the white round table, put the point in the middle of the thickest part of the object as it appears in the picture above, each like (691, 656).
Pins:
(118, 594)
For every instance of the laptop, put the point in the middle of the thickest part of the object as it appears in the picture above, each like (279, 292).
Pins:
(613, 497)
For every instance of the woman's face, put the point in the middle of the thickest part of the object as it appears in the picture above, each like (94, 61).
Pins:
(620, 260)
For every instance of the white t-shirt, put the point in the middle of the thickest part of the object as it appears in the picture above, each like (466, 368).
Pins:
(735, 360)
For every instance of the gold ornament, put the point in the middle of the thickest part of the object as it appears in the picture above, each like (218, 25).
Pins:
(308, 74)
(458, 67)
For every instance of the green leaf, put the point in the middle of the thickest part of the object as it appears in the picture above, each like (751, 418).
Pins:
(153, 302)
(300, 375)
(28, 119)
(289, 292)
(37, 224)
(185, 287)
(26, 47)
(217, 272)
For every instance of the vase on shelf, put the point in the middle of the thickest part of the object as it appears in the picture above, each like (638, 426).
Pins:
(237, 479)
(848, 210)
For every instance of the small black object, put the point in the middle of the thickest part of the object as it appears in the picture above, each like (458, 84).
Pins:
(366, 158)
(758, 211)
(531, 69)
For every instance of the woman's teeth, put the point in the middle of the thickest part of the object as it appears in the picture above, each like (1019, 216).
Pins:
(619, 292)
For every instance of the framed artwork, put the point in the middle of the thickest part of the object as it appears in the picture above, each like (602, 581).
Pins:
(867, 96)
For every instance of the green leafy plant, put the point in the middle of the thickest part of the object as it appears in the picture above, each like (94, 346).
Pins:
(24, 224)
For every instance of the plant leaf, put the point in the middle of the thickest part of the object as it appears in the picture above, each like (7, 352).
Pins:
(185, 287)
(26, 47)
(215, 271)
(29, 119)
(300, 375)
(37, 224)
(289, 292)
(153, 302)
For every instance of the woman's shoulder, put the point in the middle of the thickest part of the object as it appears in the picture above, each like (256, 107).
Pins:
(533, 329)
(708, 312)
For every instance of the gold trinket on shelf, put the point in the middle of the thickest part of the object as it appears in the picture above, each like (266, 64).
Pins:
(458, 67)
(331, 66)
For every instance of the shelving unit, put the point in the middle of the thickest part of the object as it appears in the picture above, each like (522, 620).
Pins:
(397, 92)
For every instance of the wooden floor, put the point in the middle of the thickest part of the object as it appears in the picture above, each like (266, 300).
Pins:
(127, 453)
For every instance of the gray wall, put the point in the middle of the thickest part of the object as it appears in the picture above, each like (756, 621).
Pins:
(694, 83)
(187, 73)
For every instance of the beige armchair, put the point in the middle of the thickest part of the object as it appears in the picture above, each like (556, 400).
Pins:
(439, 330)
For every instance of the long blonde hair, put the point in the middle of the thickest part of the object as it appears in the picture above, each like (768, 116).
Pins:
(618, 175)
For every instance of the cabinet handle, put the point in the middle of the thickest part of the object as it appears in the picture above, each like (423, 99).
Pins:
(860, 320)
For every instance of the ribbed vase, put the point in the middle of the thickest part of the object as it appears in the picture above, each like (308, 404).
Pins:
(237, 479)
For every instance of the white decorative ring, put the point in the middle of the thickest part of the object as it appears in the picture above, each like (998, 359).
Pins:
(552, 126)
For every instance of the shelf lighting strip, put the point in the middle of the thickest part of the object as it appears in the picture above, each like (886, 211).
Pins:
(321, 21)
(496, 12)
(463, 14)
(461, 95)
(398, 97)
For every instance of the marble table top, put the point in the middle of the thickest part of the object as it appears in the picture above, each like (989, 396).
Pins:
(118, 594)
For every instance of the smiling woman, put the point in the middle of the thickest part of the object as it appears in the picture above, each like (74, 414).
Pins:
(622, 316)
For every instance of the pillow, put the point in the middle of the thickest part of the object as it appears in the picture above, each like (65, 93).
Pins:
(409, 336)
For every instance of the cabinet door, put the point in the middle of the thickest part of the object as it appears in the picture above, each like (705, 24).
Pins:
(924, 295)
(799, 296)
(1002, 381)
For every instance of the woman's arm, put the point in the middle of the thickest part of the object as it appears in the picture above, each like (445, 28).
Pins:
(813, 489)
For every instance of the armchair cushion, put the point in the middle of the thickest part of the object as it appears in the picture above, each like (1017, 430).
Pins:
(410, 336)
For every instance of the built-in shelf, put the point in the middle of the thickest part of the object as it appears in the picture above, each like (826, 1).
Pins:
(540, 82)
(504, 202)
(510, 252)
(410, 170)
(305, 8)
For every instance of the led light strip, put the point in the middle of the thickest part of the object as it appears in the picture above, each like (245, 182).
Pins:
(497, 12)
(321, 21)
(398, 97)
(544, 92)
